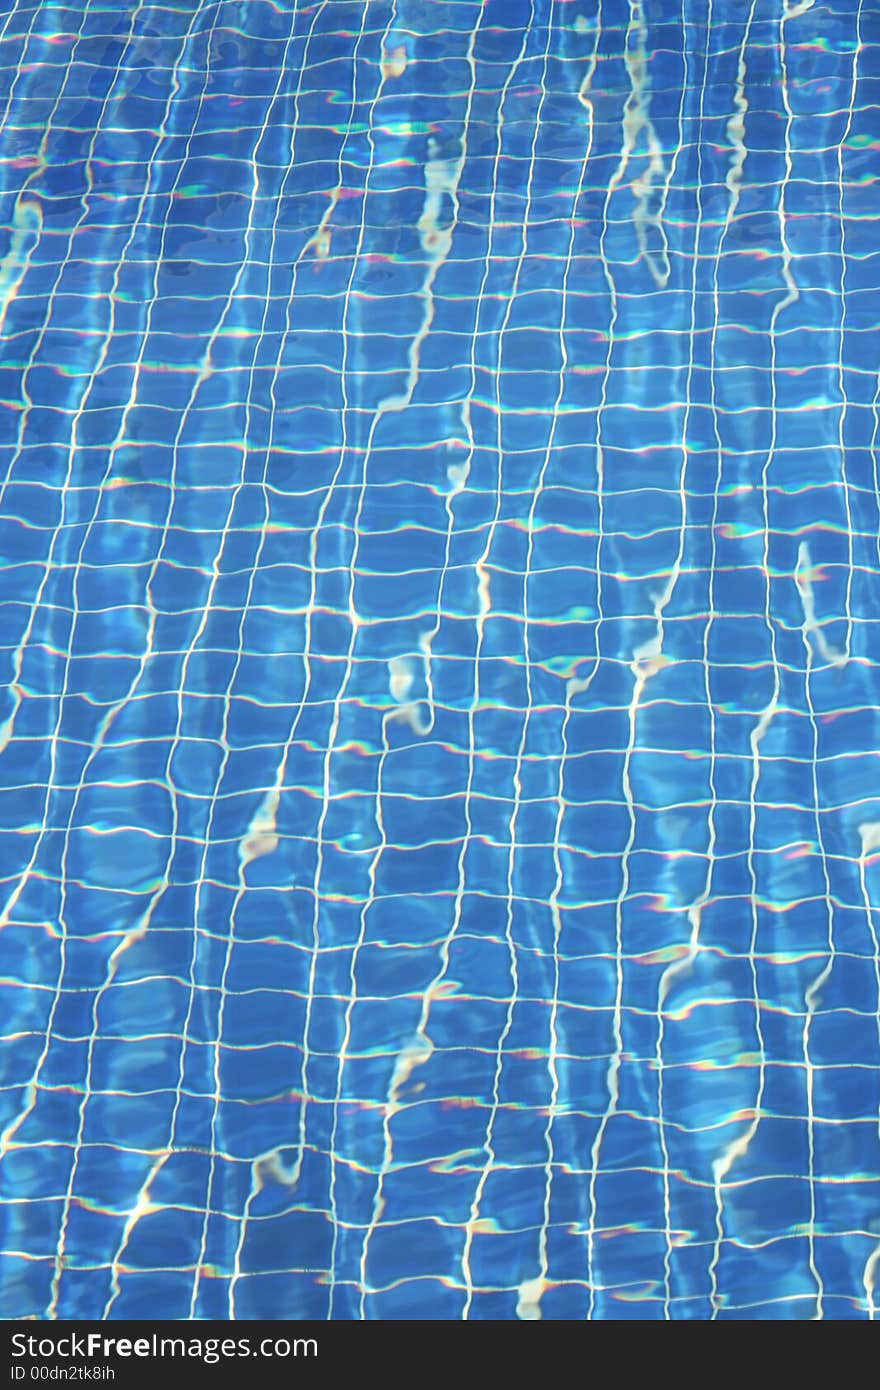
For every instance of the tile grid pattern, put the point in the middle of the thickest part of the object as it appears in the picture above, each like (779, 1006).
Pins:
(439, 543)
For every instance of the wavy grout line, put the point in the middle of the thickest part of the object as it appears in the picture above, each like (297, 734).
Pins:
(484, 608)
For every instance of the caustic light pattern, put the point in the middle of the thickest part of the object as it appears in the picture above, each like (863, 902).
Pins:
(439, 787)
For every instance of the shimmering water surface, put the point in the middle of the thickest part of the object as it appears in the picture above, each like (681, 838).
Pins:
(439, 613)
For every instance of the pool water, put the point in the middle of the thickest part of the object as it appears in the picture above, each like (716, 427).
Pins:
(439, 597)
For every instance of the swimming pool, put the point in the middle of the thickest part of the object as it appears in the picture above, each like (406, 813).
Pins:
(440, 578)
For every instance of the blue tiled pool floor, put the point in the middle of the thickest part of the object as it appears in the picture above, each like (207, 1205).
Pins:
(439, 592)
